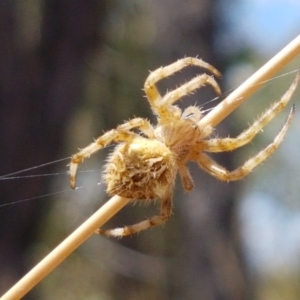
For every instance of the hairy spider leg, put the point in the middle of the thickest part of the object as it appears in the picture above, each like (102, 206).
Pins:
(188, 88)
(165, 213)
(218, 171)
(150, 88)
(121, 133)
(228, 144)
(186, 178)
(164, 108)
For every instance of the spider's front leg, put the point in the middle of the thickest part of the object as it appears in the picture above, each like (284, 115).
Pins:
(121, 133)
(165, 213)
(151, 90)
(228, 144)
(216, 170)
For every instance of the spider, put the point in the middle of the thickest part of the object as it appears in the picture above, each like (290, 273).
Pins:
(144, 164)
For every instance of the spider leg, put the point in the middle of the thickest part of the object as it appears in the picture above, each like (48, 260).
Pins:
(165, 213)
(150, 84)
(218, 171)
(228, 144)
(186, 178)
(121, 133)
(188, 87)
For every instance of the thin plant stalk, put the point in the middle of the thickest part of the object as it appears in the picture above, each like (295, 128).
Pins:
(116, 203)
(63, 250)
(253, 83)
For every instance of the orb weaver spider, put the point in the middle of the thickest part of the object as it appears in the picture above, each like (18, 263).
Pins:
(144, 165)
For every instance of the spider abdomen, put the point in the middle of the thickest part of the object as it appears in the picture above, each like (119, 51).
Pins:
(141, 169)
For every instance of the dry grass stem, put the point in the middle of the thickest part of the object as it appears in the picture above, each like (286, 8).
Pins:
(253, 83)
(116, 203)
(63, 250)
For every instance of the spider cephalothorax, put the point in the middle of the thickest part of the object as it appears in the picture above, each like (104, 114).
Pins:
(144, 166)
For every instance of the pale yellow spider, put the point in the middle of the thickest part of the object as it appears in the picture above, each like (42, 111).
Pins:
(144, 166)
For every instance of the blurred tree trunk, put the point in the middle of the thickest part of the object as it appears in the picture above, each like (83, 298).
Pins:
(42, 56)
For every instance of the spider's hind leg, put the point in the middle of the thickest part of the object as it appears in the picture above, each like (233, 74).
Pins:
(165, 213)
(218, 171)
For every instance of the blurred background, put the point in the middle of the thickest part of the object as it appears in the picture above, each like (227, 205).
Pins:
(70, 70)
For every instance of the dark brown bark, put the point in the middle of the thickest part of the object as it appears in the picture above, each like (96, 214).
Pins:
(39, 87)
